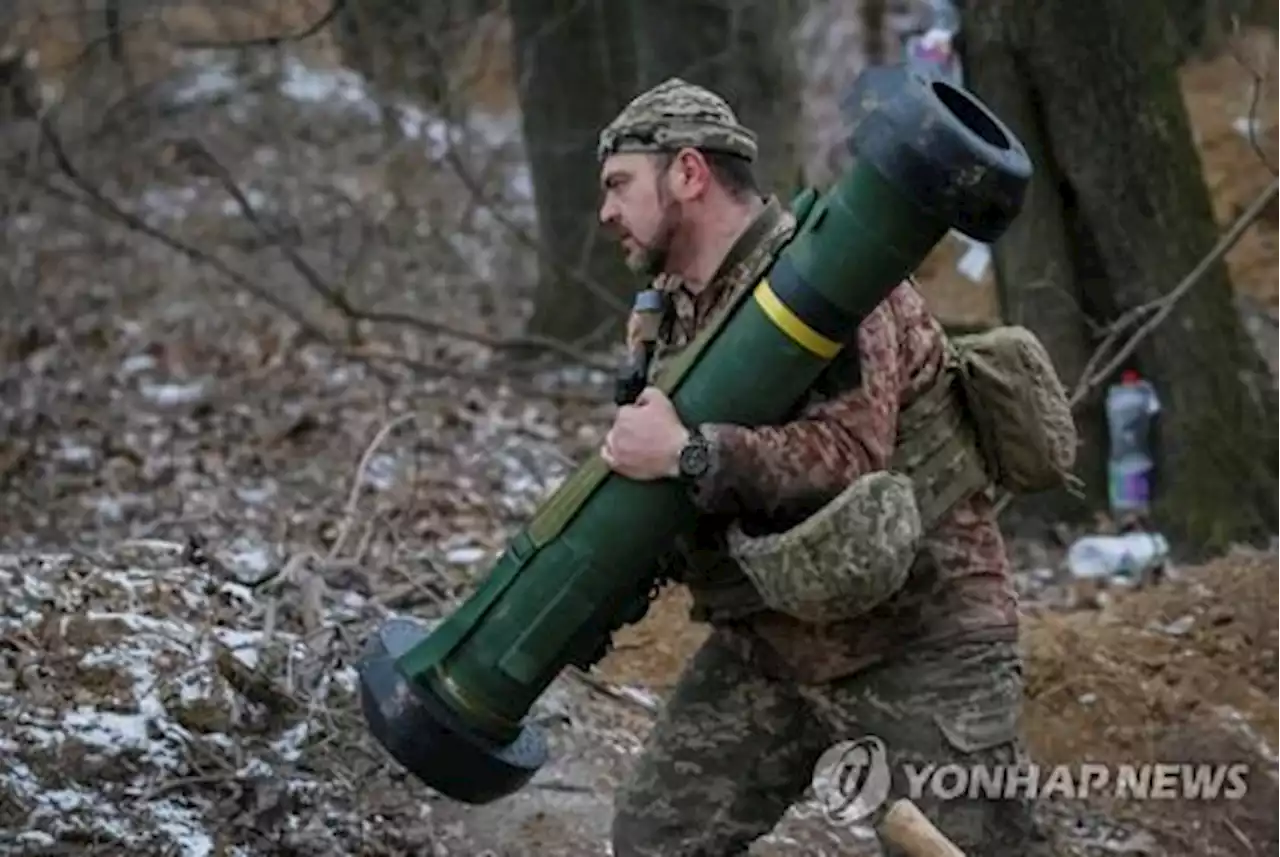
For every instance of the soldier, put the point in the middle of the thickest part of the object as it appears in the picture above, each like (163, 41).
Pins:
(928, 663)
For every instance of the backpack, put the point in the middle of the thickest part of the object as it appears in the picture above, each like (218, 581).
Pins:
(1020, 411)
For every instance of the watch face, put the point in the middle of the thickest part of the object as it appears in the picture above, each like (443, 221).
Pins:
(694, 459)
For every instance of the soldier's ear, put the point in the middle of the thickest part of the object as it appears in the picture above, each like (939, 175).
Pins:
(690, 173)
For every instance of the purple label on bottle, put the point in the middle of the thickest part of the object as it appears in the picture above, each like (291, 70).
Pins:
(1130, 490)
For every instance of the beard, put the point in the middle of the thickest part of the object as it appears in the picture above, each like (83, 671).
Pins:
(650, 259)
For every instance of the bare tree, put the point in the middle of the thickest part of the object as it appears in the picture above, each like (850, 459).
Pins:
(575, 66)
(742, 50)
(1201, 26)
(873, 15)
(1116, 215)
(19, 85)
(407, 47)
(739, 49)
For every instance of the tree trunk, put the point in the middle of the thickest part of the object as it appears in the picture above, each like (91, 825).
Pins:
(409, 50)
(1201, 27)
(873, 31)
(1039, 269)
(1099, 89)
(575, 65)
(742, 50)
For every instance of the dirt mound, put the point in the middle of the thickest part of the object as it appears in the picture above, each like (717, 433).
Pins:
(1180, 673)
(1108, 685)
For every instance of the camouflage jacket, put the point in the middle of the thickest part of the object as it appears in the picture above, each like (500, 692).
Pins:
(770, 478)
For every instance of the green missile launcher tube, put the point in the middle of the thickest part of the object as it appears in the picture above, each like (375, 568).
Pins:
(451, 705)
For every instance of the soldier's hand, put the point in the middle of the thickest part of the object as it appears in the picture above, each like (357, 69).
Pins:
(646, 438)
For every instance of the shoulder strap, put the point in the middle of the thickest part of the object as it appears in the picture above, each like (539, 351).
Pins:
(555, 514)
(937, 449)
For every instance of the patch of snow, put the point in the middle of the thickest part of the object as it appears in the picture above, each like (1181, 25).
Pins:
(382, 471)
(74, 453)
(257, 201)
(136, 363)
(172, 394)
(138, 655)
(325, 86)
(466, 555)
(207, 82)
(248, 560)
(257, 495)
(168, 203)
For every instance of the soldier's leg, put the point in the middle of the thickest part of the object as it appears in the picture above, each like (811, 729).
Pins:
(731, 751)
(958, 705)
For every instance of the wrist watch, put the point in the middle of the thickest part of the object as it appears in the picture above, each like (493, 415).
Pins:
(695, 455)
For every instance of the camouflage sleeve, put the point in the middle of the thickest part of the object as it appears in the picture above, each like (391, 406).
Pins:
(796, 467)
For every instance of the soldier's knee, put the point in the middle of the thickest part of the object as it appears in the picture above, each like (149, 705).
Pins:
(635, 832)
(627, 837)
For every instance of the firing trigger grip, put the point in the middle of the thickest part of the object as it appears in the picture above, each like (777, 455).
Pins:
(632, 378)
(647, 313)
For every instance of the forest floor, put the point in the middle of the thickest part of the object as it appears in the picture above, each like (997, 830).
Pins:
(212, 495)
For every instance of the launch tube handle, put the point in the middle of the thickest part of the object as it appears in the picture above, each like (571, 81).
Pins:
(647, 312)
(633, 377)
(906, 827)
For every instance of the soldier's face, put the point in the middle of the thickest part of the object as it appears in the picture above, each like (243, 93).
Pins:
(640, 209)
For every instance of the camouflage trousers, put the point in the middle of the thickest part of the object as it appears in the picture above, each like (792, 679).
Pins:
(733, 749)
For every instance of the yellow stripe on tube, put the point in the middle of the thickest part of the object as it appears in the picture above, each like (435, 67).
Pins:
(792, 325)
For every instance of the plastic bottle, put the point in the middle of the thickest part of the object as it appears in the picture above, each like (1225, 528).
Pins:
(1124, 559)
(1131, 406)
(933, 52)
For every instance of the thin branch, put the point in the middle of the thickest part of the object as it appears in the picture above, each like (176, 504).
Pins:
(268, 41)
(1256, 82)
(469, 181)
(1167, 303)
(353, 498)
(304, 268)
(103, 205)
(1164, 305)
(335, 297)
(371, 357)
(620, 694)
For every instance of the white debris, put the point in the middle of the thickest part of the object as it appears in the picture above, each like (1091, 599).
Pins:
(173, 393)
(466, 555)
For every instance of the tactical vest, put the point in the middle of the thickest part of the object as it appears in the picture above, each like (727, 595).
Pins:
(936, 446)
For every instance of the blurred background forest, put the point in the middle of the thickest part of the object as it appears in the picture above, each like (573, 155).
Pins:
(305, 310)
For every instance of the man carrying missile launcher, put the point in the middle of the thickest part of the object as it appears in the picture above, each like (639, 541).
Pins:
(894, 615)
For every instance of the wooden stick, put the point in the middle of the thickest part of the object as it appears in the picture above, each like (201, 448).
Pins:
(906, 827)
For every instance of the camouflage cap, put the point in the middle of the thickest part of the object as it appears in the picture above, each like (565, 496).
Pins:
(675, 114)
(846, 558)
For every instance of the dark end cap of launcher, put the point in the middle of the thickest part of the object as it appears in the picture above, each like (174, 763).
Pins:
(428, 738)
(940, 146)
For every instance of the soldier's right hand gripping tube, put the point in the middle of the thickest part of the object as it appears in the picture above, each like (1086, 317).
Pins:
(452, 705)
